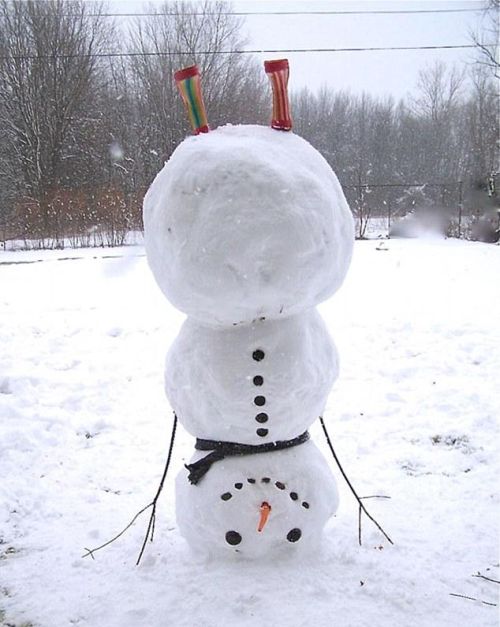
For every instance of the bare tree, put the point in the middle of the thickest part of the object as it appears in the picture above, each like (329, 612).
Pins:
(361, 162)
(486, 37)
(482, 124)
(438, 91)
(438, 106)
(182, 34)
(48, 70)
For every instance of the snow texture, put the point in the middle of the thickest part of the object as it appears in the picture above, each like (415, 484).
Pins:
(210, 375)
(84, 431)
(247, 222)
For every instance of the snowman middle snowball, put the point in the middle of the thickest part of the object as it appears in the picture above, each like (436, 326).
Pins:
(247, 230)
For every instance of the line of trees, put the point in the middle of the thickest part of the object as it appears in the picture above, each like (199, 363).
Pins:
(440, 146)
(82, 133)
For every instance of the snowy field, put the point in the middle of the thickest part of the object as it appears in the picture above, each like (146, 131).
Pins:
(84, 430)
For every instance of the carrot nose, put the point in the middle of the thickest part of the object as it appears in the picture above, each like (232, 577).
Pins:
(265, 510)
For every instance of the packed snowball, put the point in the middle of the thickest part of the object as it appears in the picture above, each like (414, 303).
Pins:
(223, 514)
(246, 222)
(268, 380)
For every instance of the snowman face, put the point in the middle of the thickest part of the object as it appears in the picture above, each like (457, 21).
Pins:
(245, 223)
(266, 515)
(258, 505)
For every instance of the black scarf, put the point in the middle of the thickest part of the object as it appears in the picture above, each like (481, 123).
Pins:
(220, 450)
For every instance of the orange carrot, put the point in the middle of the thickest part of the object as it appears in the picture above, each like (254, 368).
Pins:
(265, 510)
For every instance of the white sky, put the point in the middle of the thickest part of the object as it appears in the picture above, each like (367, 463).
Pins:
(380, 73)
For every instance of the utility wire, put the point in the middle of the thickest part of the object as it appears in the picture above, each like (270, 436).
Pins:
(217, 52)
(370, 185)
(248, 13)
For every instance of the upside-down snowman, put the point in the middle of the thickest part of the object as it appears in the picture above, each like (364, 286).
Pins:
(247, 230)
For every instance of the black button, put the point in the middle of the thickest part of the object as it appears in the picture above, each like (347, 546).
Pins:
(258, 380)
(251, 480)
(258, 355)
(294, 535)
(226, 496)
(262, 417)
(280, 485)
(260, 400)
(262, 432)
(233, 537)
(265, 480)
(238, 486)
(305, 504)
(294, 496)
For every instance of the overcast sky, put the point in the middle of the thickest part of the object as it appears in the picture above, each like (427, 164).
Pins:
(380, 73)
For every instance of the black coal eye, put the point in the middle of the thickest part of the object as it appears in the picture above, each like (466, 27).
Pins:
(233, 538)
(294, 535)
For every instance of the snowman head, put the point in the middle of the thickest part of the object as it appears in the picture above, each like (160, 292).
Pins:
(245, 222)
(247, 506)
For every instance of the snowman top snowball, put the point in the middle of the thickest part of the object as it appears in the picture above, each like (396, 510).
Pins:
(247, 222)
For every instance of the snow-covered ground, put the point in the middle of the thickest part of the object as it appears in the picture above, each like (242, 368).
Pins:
(84, 430)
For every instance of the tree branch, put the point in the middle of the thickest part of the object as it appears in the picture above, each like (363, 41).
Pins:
(362, 508)
(152, 519)
(463, 596)
(487, 578)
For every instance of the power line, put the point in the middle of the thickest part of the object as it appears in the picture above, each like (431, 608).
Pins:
(370, 185)
(253, 13)
(218, 52)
